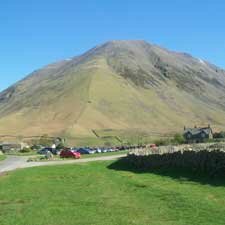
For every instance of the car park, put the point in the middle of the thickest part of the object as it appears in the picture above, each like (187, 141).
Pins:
(92, 150)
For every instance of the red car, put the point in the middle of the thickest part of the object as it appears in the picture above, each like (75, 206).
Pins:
(66, 153)
(153, 146)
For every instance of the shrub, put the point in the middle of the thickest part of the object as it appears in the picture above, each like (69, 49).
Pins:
(161, 141)
(219, 135)
(60, 146)
(36, 147)
(178, 139)
(25, 150)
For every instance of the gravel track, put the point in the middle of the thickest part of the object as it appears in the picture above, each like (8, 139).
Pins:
(17, 162)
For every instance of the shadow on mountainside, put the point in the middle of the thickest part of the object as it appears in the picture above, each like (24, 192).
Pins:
(203, 167)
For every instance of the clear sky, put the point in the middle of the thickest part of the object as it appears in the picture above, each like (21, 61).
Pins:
(37, 32)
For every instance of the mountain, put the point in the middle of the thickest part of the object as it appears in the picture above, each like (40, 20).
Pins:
(117, 86)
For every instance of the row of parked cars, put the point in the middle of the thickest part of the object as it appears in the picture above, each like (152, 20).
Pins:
(77, 152)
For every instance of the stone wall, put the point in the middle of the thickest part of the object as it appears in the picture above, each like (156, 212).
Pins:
(201, 158)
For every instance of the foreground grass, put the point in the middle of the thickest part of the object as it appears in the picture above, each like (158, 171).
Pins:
(2, 157)
(93, 194)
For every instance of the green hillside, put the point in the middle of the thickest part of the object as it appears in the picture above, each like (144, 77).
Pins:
(121, 86)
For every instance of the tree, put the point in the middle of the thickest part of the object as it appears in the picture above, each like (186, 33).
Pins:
(178, 139)
(60, 146)
(219, 135)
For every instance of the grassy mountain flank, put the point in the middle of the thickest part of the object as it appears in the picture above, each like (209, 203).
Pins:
(119, 86)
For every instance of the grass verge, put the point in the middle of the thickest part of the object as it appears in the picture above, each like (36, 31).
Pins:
(33, 153)
(2, 157)
(91, 193)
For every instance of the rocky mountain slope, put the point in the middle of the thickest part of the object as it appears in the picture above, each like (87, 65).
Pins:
(120, 85)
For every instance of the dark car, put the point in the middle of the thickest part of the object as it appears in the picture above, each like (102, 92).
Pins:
(122, 148)
(43, 151)
(85, 151)
(54, 151)
(37, 147)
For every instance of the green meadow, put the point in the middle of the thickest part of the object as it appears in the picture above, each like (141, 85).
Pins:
(102, 193)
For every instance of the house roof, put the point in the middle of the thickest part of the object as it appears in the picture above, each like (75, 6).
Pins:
(196, 131)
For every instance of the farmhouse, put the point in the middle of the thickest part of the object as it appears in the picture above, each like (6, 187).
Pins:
(197, 134)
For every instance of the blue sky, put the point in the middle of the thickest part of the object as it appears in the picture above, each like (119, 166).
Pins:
(34, 33)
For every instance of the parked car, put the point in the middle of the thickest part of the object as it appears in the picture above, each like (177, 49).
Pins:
(98, 150)
(121, 148)
(43, 151)
(67, 153)
(104, 150)
(37, 147)
(85, 151)
(92, 150)
(115, 149)
(54, 151)
(153, 146)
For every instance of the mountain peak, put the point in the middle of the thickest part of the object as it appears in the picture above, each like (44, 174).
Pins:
(121, 42)
(119, 85)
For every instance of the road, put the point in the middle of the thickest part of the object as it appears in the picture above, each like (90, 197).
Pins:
(17, 162)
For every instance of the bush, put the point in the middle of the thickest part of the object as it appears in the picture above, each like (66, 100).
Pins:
(161, 141)
(178, 139)
(60, 146)
(26, 150)
(36, 147)
(219, 135)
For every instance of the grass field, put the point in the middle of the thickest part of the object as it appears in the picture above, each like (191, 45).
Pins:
(2, 157)
(107, 138)
(94, 194)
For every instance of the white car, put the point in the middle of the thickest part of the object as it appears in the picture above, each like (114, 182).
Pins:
(104, 150)
(98, 150)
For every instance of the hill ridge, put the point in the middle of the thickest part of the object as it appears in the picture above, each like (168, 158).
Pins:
(120, 85)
